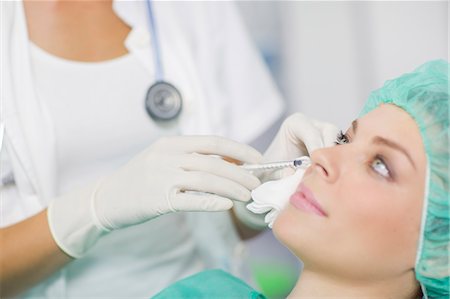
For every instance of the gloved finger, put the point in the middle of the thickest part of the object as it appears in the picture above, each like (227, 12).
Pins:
(329, 133)
(221, 168)
(212, 145)
(210, 183)
(314, 134)
(197, 202)
(302, 130)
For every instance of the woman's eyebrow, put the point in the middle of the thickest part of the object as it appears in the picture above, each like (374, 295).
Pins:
(384, 141)
(396, 146)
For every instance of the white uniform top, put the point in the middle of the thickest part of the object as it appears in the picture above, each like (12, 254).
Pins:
(64, 131)
(99, 111)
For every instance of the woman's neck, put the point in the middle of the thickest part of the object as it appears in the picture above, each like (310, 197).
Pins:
(321, 285)
(77, 30)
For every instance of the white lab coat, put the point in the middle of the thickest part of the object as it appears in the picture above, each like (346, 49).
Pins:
(206, 53)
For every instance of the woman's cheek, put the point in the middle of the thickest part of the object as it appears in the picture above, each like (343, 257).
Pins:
(362, 197)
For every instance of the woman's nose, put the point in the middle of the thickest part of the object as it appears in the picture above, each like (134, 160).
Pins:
(324, 163)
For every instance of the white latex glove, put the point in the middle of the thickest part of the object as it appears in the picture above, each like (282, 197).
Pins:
(174, 174)
(298, 136)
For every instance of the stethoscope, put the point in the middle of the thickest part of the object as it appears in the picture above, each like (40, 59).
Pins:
(163, 101)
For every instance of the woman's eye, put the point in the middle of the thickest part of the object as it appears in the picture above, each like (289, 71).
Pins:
(341, 138)
(380, 167)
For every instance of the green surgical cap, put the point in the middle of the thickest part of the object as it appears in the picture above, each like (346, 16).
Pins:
(424, 94)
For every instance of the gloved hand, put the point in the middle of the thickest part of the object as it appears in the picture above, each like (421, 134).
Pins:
(298, 136)
(174, 174)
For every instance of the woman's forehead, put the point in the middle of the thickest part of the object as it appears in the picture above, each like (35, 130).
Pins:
(387, 118)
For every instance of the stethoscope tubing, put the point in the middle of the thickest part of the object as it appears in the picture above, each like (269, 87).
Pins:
(163, 101)
(159, 72)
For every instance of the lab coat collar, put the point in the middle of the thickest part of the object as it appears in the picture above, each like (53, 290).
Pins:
(25, 133)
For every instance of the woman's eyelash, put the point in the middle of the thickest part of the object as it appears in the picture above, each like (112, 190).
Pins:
(341, 138)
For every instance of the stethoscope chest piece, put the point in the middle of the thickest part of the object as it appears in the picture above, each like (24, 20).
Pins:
(163, 101)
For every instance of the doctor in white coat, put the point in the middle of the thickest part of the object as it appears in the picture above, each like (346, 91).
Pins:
(87, 174)
(84, 167)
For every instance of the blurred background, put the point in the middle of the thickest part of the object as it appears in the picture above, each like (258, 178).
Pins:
(327, 56)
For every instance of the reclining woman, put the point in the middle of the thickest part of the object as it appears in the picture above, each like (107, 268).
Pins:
(370, 217)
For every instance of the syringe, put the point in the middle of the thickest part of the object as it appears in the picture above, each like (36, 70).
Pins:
(296, 163)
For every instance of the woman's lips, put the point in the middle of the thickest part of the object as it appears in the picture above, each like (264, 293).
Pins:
(303, 199)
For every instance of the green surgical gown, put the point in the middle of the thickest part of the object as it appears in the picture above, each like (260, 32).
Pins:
(209, 284)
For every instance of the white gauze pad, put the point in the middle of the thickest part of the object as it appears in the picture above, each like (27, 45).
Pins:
(273, 196)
